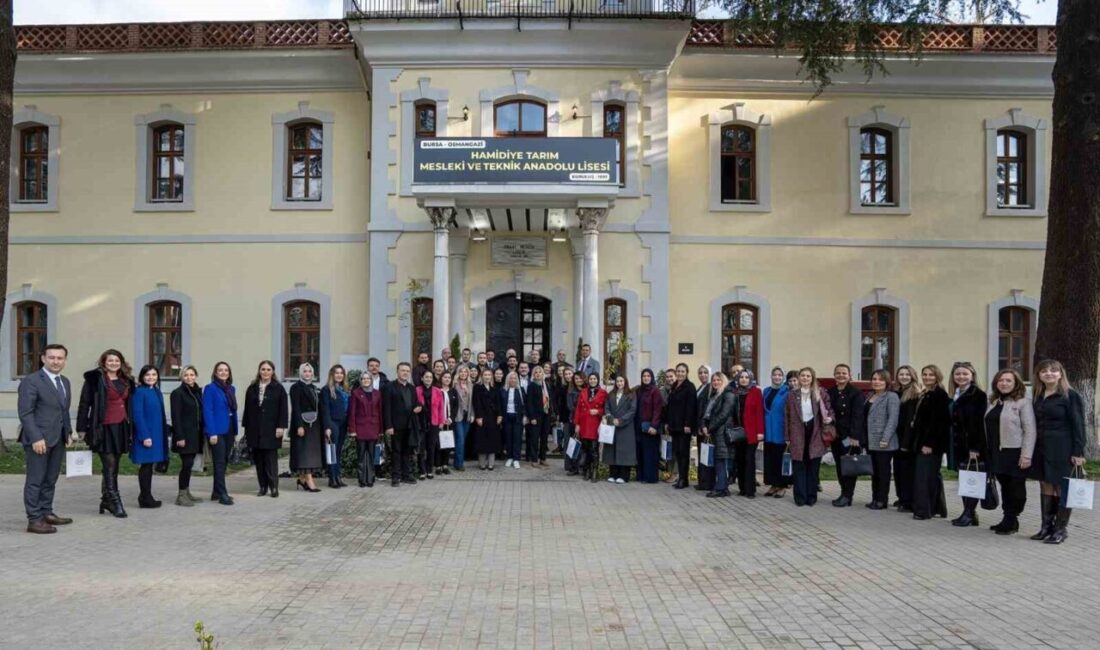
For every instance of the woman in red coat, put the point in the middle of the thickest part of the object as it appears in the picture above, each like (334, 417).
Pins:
(365, 425)
(590, 406)
(751, 408)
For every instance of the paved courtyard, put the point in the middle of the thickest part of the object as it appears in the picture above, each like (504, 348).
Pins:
(532, 559)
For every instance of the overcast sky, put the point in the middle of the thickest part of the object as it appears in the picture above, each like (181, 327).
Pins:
(121, 11)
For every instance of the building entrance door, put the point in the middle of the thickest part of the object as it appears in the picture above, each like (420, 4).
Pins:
(521, 323)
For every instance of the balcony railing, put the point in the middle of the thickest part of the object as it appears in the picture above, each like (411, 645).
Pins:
(367, 9)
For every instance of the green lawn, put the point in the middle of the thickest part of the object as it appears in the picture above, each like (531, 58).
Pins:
(12, 463)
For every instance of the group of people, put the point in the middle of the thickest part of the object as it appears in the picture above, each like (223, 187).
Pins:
(462, 406)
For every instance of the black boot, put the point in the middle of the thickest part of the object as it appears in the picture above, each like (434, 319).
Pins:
(1061, 520)
(1008, 526)
(969, 517)
(1048, 505)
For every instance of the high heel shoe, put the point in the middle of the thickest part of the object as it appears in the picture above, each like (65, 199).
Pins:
(301, 486)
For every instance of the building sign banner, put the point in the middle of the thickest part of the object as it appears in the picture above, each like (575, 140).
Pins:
(518, 251)
(571, 161)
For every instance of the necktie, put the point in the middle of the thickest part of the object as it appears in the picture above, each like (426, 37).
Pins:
(60, 387)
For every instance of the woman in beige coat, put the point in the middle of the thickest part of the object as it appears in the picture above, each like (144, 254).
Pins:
(1010, 441)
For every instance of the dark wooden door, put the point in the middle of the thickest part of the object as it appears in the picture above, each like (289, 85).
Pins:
(521, 324)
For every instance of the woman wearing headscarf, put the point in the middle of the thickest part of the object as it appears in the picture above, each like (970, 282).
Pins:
(750, 412)
(703, 396)
(620, 412)
(365, 425)
(717, 417)
(307, 452)
(648, 426)
(590, 410)
(775, 397)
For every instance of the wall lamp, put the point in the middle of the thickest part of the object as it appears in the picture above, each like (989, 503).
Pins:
(576, 115)
(465, 116)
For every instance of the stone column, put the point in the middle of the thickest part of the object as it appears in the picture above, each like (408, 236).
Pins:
(458, 245)
(591, 220)
(441, 219)
(576, 247)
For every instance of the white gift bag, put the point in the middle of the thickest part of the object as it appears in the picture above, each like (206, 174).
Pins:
(197, 467)
(607, 434)
(573, 449)
(706, 454)
(666, 448)
(330, 454)
(446, 439)
(78, 463)
(1078, 491)
(971, 484)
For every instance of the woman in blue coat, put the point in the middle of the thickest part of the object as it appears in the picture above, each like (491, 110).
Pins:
(150, 444)
(775, 396)
(219, 418)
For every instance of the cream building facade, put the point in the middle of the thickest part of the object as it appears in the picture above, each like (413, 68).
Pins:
(244, 191)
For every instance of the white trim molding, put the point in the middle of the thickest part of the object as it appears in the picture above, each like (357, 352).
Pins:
(280, 122)
(612, 289)
(143, 142)
(1035, 129)
(28, 117)
(141, 325)
(655, 308)
(300, 292)
(384, 275)
(8, 381)
(519, 89)
(738, 114)
(409, 98)
(879, 296)
(899, 127)
(763, 327)
(1015, 298)
(629, 100)
(560, 322)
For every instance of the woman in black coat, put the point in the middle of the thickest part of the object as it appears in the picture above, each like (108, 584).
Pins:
(265, 422)
(682, 415)
(104, 421)
(307, 451)
(187, 432)
(968, 428)
(1059, 445)
(486, 421)
(929, 433)
(537, 403)
(907, 385)
(703, 396)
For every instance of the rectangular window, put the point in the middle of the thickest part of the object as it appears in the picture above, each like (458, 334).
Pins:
(34, 154)
(738, 164)
(740, 333)
(878, 339)
(30, 336)
(301, 336)
(304, 171)
(1014, 340)
(614, 332)
(1012, 156)
(168, 169)
(422, 311)
(614, 127)
(876, 167)
(166, 337)
(520, 119)
(425, 120)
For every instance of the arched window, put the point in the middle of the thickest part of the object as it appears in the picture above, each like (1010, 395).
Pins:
(878, 339)
(740, 333)
(614, 331)
(167, 175)
(876, 166)
(738, 164)
(304, 150)
(301, 336)
(520, 118)
(34, 154)
(422, 310)
(1012, 172)
(1014, 341)
(165, 322)
(425, 119)
(614, 127)
(30, 336)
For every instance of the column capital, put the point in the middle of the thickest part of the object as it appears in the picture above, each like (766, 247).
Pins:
(441, 218)
(592, 219)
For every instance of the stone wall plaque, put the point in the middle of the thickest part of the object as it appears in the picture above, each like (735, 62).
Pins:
(522, 252)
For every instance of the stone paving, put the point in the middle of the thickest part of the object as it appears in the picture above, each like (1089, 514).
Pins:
(530, 558)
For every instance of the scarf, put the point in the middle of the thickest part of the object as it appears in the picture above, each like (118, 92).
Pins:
(230, 395)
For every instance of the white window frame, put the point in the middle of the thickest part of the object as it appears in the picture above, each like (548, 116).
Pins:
(1015, 298)
(630, 100)
(143, 142)
(409, 98)
(519, 89)
(879, 296)
(8, 381)
(30, 116)
(141, 326)
(1035, 129)
(299, 292)
(280, 123)
(738, 114)
(899, 127)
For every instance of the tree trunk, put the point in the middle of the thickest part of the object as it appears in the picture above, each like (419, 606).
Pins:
(1069, 314)
(7, 78)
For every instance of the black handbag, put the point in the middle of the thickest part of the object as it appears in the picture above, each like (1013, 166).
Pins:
(852, 465)
(992, 500)
(733, 433)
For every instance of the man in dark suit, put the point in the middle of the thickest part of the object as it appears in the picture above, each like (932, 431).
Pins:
(398, 401)
(44, 429)
(587, 365)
